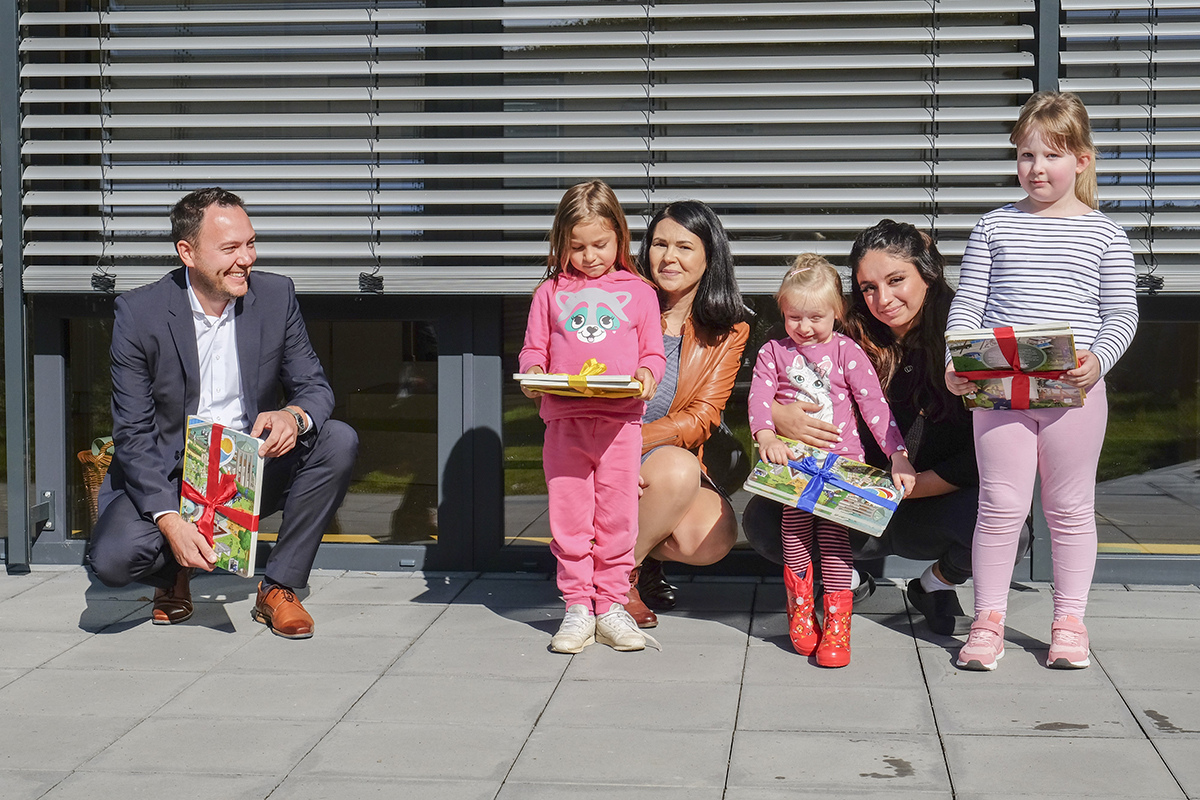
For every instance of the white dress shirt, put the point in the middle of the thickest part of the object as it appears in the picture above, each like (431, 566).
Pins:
(220, 374)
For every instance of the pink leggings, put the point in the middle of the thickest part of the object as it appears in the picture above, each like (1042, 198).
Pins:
(1063, 446)
(592, 470)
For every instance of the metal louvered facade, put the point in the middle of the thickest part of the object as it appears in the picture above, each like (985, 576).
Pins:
(429, 142)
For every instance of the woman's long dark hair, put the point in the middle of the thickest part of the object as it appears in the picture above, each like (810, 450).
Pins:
(924, 343)
(718, 304)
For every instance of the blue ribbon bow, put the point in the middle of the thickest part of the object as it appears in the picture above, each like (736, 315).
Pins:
(822, 474)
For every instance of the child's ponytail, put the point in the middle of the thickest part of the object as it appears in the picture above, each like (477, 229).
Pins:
(1063, 122)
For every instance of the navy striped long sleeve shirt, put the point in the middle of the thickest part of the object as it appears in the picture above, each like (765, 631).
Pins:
(1023, 269)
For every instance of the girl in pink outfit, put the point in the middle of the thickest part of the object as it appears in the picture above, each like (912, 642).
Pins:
(817, 365)
(593, 305)
(1051, 257)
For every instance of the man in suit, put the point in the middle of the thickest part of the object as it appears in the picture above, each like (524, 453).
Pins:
(208, 339)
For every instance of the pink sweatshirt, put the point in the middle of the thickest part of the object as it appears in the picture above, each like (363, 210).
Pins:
(613, 319)
(838, 376)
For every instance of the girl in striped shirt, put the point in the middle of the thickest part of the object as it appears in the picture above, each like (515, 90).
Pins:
(1051, 257)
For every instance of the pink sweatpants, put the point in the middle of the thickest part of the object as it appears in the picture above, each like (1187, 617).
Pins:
(1063, 446)
(592, 468)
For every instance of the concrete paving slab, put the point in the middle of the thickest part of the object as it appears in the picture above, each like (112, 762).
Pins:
(575, 791)
(454, 700)
(1046, 710)
(624, 756)
(239, 745)
(763, 793)
(406, 620)
(837, 765)
(1156, 587)
(886, 630)
(93, 692)
(423, 750)
(485, 658)
(7, 676)
(224, 616)
(683, 663)
(259, 695)
(1047, 766)
(1167, 714)
(320, 654)
(647, 705)
(150, 648)
(861, 709)
(13, 585)
(1131, 669)
(1018, 669)
(1144, 605)
(27, 649)
(1145, 634)
(157, 785)
(44, 742)
(702, 627)
(307, 787)
(83, 582)
(777, 663)
(62, 613)
(1180, 757)
(715, 596)
(28, 784)
(376, 590)
(499, 593)
(510, 624)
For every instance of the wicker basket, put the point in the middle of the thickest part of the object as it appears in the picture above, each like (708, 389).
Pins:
(95, 466)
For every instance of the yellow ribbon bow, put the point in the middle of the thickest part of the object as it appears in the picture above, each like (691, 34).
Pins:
(579, 382)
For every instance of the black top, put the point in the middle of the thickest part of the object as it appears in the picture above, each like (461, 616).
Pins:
(947, 448)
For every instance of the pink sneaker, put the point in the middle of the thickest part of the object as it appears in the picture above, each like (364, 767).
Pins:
(1068, 644)
(985, 644)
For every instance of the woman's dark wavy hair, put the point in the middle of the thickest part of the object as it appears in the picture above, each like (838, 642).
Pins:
(718, 304)
(925, 340)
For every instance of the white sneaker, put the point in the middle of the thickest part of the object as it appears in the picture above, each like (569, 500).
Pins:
(617, 629)
(577, 631)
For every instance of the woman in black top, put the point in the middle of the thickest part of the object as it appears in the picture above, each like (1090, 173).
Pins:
(898, 307)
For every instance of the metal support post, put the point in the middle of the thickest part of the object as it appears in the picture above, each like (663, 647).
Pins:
(16, 423)
(1049, 17)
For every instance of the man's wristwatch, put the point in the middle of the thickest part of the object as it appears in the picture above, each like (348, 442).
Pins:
(301, 421)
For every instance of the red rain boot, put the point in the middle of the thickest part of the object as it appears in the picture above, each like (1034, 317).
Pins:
(835, 638)
(802, 615)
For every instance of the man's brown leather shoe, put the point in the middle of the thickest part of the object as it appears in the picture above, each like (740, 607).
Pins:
(643, 616)
(174, 604)
(279, 609)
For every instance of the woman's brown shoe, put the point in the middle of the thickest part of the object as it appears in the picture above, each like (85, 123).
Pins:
(279, 609)
(653, 587)
(643, 616)
(175, 604)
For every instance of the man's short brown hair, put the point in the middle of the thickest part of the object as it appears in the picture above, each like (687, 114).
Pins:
(188, 213)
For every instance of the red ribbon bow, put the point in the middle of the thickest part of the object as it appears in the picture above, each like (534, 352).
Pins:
(1020, 379)
(220, 489)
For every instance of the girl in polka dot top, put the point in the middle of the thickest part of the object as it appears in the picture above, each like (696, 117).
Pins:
(818, 365)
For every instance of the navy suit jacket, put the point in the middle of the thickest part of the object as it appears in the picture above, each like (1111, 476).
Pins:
(156, 378)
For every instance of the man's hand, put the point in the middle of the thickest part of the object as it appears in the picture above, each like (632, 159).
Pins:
(282, 432)
(190, 547)
(533, 394)
(649, 385)
(793, 421)
(958, 385)
(1086, 374)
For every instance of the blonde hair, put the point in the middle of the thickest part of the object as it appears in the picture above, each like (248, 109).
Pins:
(1063, 121)
(812, 277)
(582, 203)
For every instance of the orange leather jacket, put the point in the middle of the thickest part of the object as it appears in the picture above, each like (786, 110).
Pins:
(707, 369)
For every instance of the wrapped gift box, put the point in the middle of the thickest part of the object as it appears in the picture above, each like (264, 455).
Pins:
(848, 492)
